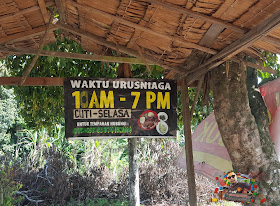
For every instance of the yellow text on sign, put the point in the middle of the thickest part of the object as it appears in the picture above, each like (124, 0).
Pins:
(82, 100)
(163, 101)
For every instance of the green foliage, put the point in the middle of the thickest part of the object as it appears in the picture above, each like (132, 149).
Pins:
(8, 109)
(8, 187)
(44, 106)
(269, 60)
(141, 71)
(32, 146)
(8, 115)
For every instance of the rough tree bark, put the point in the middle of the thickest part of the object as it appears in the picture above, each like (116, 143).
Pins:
(245, 133)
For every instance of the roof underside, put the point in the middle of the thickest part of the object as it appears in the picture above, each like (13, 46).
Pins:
(185, 36)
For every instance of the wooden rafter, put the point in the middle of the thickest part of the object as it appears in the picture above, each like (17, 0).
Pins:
(44, 11)
(61, 10)
(30, 67)
(129, 60)
(104, 42)
(228, 52)
(32, 81)
(142, 28)
(272, 40)
(207, 40)
(20, 51)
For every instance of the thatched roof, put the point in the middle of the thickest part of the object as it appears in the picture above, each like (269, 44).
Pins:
(187, 37)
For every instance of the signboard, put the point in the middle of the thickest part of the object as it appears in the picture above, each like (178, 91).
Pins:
(119, 108)
(271, 93)
(210, 155)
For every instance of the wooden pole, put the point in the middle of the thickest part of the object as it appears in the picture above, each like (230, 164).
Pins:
(30, 67)
(188, 144)
(134, 194)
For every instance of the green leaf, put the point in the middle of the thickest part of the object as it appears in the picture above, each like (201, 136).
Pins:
(96, 143)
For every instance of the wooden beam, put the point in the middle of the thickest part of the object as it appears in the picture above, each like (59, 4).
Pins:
(256, 66)
(32, 81)
(198, 15)
(271, 40)
(142, 28)
(129, 60)
(188, 144)
(200, 82)
(44, 11)
(123, 49)
(211, 35)
(23, 11)
(242, 43)
(30, 67)
(61, 10)
(207, 40)
(26, 34)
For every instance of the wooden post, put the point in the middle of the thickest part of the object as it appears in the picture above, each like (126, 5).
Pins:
(134, 195)
(188, 144)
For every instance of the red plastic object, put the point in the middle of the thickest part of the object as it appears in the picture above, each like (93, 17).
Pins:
(216, 190)
(263, 200)
(252, 200)
(217, 178)
(255, 186)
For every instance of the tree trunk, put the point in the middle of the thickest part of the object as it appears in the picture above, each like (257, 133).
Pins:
(245, 133)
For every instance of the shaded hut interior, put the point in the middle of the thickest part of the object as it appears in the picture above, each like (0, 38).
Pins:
(187, 38)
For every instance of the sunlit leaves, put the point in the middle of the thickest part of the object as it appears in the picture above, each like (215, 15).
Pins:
(44, 106)
(269, 60)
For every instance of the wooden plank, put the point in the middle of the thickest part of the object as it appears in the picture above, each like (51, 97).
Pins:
(242, 43)
(32, 81)
(188, 144)
(25, 35)
(271, 40)
(102, 41)
(207, 40)
(142, 28)
(211, 35)
(44, 11)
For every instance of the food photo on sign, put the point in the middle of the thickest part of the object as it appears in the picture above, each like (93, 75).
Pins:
(118, 108)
